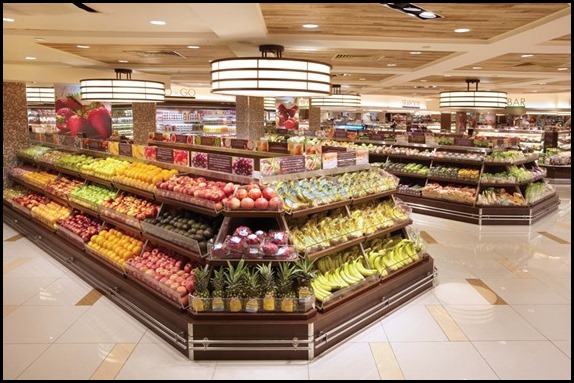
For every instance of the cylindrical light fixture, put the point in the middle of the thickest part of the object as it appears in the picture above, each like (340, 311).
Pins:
(337, 100)
(270, 76)
(122, 89)
(463, 100)
(40, 94)
(269, 104)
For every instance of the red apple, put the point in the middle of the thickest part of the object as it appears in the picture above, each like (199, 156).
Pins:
(261, 203)
(254, 193)
(241, 193)
(275, 203)
(247, 203)
(268, 193)
(229, 188)
(234, 203)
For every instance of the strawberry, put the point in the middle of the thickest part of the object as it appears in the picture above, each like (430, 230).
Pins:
(68, 102)
(76, 124)
(101, 120)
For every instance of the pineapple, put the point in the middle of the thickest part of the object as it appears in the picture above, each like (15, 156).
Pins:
(267, 286)
(285, 280)
(251, 278)
(218, 284)
(305, 273)
(201, 294)
(234, 284)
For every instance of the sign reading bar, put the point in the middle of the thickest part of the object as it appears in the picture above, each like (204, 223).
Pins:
(219, 163)
(463, 141)
(278, 147)
(125, 149)
(164, 155)
(346, 159)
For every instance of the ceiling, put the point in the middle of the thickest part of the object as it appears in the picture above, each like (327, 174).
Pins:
(519, 48)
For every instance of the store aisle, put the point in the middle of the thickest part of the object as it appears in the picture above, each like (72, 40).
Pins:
(501, 310)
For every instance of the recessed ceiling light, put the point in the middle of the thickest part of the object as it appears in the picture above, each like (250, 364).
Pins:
(476, 67)
(415, 53)
(526, 55)
(123, 61)
(30, 58)
(362, 79)
(193, 46)
(83, 46)
(434, 86)
(447, 75)
(462, 30)
(427, 15)
(534, 91)
(391, 64)
(310, 26)
(423, 80)
(8, 19)
(39, 40)
(562, 68)
(541, 83)
(158, 22)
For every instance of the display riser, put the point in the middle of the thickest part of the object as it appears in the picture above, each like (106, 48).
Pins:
(305, 340)
(164, 319)
(482, 215)
(558, 174)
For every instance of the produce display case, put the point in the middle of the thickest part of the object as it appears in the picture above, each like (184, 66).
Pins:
(289, 331)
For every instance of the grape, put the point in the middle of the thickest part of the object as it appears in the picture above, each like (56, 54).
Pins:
(242, 167)
(199, 160)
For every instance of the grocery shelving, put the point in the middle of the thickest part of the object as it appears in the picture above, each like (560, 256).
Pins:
(339, 317)
(122, 121)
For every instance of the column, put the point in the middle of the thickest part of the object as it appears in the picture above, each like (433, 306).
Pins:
(314, 118)
(460, 122)
(250, 117)
(144, 115)
(445, 122)
(14, 123)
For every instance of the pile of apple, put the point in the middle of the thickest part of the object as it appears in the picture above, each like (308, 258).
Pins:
(39, 178)
(91, 196)
(133, 206)
(63, 187)
(51, 157)
(214, 191)
(105, 169)
(31, 200)
(142, 176)
(74, 161)
(51, 212)
(165, 273)
(81, 225)
(115, 246)
(252, 197)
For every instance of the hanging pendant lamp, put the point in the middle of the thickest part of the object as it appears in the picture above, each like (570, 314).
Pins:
(40, 94)
(337, 100)
(122, 89)
(270, 76)
(473, 99)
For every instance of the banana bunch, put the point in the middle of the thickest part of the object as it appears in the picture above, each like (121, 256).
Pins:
(375, 216)
(393, 255)
(343, 276)
(334, 261)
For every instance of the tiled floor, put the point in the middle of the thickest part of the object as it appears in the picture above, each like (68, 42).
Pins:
(501, 310)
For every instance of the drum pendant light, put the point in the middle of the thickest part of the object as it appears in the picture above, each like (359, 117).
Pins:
(473, 99)
(270, 75)
(122, 89)
(337, 100)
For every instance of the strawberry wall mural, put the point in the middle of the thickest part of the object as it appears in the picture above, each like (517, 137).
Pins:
(73, 117)
(287, 113)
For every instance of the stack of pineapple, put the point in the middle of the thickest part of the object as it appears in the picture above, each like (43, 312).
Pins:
(262, 288)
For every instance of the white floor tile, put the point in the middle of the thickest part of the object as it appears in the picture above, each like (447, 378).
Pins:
(64, 291)
(526, 360)
(373, 333)
(489, 268)
(151, 337)
(8, 232)
(38, 267)
(160, 361)
(101, 324)
(524, 291)
(458, 293)
(16, 291)
(565, 346)
(272, 370)
(349, 361)
(67, 362)
(483, 322)
(412, 323)
(17, 357)
(441, 361)
(39, 324)
(553, 321)
(426, 298)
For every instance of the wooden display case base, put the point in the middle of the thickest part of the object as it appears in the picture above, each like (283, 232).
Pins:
(483, 215)
(235, 337)
(558, 174)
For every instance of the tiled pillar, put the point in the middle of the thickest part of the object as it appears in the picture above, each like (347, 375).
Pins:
(314, 118)
(460, 122)
(445, 122)
(144, 114)
(14, 123)
(250, 117)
